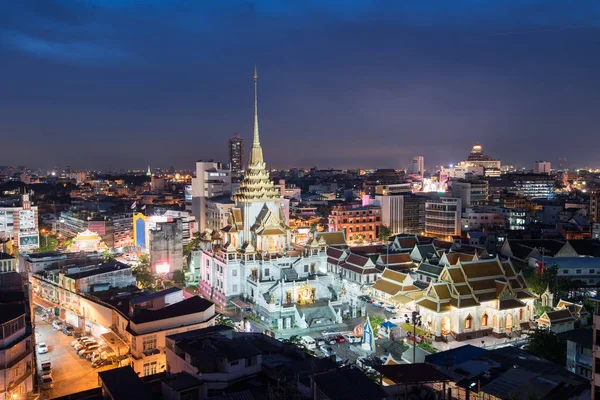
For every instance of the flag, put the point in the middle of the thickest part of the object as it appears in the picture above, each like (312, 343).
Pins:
(143, 207)
(539, 266)
(134, 205)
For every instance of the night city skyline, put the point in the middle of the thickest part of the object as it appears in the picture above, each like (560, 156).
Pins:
(120, 84)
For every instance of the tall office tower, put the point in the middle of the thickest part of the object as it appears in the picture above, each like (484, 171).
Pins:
(541, 167)
(236, 154)
(418, 165)
(563, 164)
(212, 179)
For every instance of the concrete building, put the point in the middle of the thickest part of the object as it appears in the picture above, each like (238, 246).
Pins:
(166, 247)
(17, 343)
(402, 213)
(356, 221)
(476, 218)
(471, 192)
(596, 350)
(443, 217)
(595, 206)
(20, 224)
(8, 263)
(418, 165)
(542, 167)
(212, 179)
(580, 351)
(217, 211)
(534, 186)
(236, 155)
(116, 230)
(98, 277)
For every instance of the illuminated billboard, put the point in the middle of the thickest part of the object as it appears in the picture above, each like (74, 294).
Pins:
(29, 241)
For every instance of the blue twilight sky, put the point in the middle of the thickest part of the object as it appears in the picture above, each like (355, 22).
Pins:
(342, 83)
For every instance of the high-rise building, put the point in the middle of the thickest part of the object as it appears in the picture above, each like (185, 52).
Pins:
(402, 213)
(236, 154)
(212, 179)
(595, 206)
(472, 192)
(166, 247)
(596, 350)
(443, 217)
(418, 165)
(542, 167)
(20, 224)
(563, 164)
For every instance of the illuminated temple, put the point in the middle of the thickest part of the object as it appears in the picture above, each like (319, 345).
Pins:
(253, 263)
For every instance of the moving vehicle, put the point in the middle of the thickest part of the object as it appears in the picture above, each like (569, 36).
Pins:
(41, 348)
(308, 342)
(57, 325)
(327, 350)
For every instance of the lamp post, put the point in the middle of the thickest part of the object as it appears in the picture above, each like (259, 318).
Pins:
(45, 237)
(415, 318)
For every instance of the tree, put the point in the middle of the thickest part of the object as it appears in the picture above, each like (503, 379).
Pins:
(143, 275)
(190, 246)
(384, 233)
(179, 278)
(547, 345)
(107, 256)
(47, 243)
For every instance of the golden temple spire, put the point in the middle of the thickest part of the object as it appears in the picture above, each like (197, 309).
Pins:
(256, 155)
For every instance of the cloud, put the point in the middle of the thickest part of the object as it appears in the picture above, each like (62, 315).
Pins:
(79, 52)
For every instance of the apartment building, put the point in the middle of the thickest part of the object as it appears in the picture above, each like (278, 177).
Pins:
(443, 217)
(357, 222)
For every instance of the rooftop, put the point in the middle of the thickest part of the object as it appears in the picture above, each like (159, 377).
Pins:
(101, 269)
(192, 305)
(349, 384)
(123, 384)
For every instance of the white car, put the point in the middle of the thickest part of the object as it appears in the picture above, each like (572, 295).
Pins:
(351, 338)
(379, 304)
(396, 319)
(390, 309)
(41, 348)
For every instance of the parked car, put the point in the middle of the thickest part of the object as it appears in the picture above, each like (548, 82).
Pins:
(365, 298)
(351, 338)
(330, 339)
(340, 339)
(82, 339)
(68, 330)
(379, 304)
(83, 352)
(57, 325)
(83, 345)
(391, 309)
(41, 348)
(46, 367)
(101, 362)
(320, 342)
(327, 350)
(396, 319)
(47, 382)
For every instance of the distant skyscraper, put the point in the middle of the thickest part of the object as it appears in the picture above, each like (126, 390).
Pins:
(236, 154)
(542, 167)
(418, 165)
(563, 164)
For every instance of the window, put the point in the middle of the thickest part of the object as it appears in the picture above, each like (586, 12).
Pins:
(266, 271)
(234, 288)
(469, 322)
(306, 268)
(234, 272)
(591, 271)
(150, 368)
(149, 343)
(578, 271)
(234, 363)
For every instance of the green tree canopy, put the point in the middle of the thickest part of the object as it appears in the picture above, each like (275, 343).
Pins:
(384, 233)
(547, 345)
